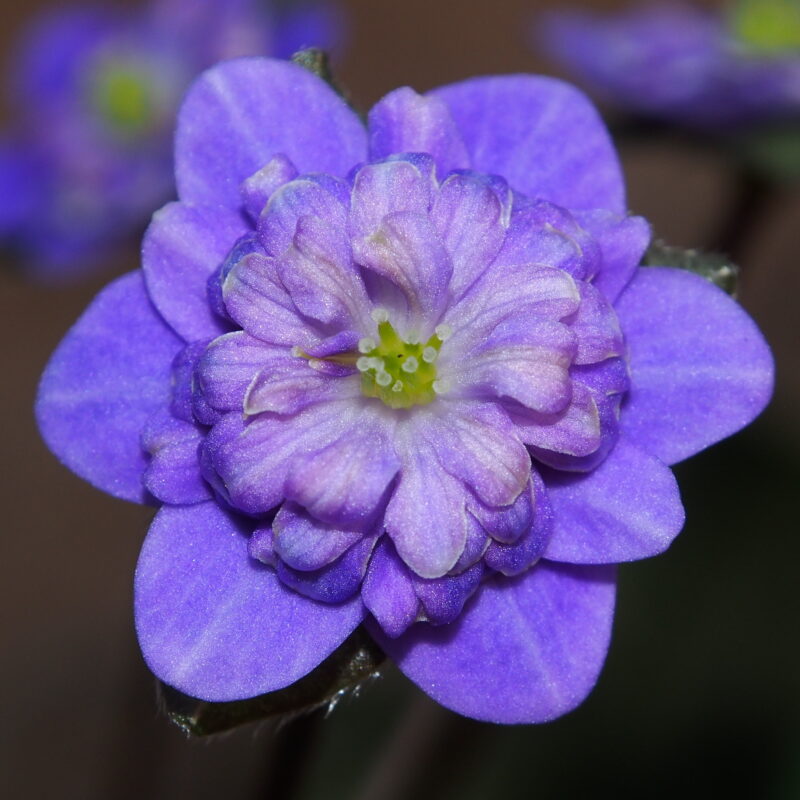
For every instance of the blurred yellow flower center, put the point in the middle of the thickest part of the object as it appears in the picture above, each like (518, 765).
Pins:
(123, 97)
(767, 26)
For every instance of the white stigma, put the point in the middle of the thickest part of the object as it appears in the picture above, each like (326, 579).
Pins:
(366, 344)
(383, 379)
(429, 355)
(441, 386)
(413, 338)
(375, 363)
(362, 364)
(443, 331)
(410, 365)
(398, 386)
(380, 315)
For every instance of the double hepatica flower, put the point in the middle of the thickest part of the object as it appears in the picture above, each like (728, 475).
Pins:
(409, 375)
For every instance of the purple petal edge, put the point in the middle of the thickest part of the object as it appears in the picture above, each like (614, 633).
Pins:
(110, 373)
(216, 624)
(524, 650)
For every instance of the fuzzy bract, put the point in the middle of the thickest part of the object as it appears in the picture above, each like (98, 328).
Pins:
(409, 375)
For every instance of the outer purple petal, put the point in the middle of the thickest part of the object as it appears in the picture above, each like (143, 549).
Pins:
(627, 508)
(110, 373)
(182, 248)
(216, 624)
(515, 126)
(524, 650)
(700, 368)
(240, 114)
(406, 122)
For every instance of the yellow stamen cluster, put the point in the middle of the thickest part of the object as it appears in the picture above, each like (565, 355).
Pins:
(400, 373)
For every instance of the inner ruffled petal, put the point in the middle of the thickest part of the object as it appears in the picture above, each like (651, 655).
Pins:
(387, 188)
(407, 251)
(478, 444)
(548, 235)
(312, 195)
(252, 459)
(346, 482)
(259, 187)
(521, 360)
(469, 215)
(320, 277)
(255, 298)
(306, 543)
(427, 516)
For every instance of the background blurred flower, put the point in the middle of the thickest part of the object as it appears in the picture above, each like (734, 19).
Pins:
(94, 92)
(469, 504)
(678, 62)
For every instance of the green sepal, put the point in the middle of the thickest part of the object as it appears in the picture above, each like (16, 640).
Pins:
(318, 62)
(353, 663)
(714, 267)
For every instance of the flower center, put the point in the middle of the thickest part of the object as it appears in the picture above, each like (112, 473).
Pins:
(767, 26)
(123, 96)
(400, 373)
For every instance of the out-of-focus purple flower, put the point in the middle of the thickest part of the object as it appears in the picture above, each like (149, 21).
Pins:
(410, 375)
(677, 62)
(94, 95)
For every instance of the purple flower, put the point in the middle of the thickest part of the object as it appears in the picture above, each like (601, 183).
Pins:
(677, 62)
(95, 92)
(409, 375)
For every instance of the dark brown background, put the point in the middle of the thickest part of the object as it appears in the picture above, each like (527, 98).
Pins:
(700, 693)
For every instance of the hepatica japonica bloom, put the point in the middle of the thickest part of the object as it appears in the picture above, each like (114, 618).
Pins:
(94, 95)
(407, 374)
(677, 62)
